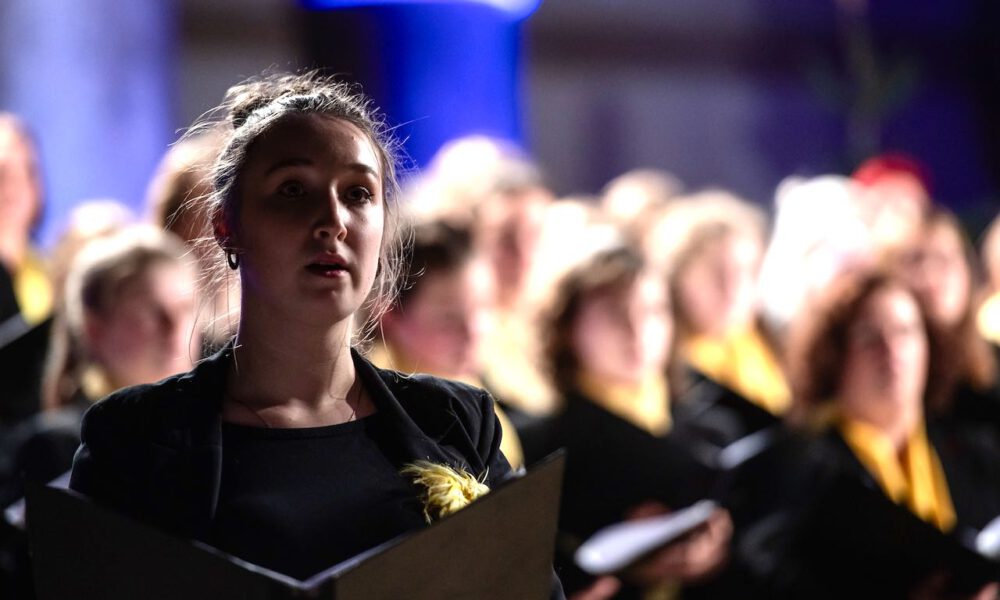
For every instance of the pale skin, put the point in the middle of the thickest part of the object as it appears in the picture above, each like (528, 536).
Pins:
(308, 231)
(885, 368)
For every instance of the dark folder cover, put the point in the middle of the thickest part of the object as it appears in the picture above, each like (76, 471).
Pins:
(855, 540)
(498, 547)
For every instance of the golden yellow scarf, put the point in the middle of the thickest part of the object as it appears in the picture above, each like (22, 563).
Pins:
(646, 405)
(33, 290)
(917, 481)
(743, 362)
(385, 357)
(988, 318)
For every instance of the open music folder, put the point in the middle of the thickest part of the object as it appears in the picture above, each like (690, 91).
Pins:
(498, 547)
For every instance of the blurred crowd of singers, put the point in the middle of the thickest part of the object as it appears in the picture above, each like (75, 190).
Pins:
(852, 320)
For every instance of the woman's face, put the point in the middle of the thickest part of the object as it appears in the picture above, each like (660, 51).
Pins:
(309, 219)
(717, 287)
(937, 271)
(885, 365)
(624, 335)
(441, 327)
(148, 332)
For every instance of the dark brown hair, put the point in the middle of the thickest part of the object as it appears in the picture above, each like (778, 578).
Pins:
(610, 270)
(818, 344)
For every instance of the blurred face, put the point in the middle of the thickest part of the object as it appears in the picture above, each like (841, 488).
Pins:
(938, 272)
(148, 331)
(511, 226)
(309, 220)
(440, 328)
(19, 193)
(894, 207)
(885, 367)
(717, 287)
(624, 335)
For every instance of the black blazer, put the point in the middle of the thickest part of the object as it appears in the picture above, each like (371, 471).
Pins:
(777, 540)
(154, 452)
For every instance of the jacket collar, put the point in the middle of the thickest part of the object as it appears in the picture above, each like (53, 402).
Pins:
(188, 450)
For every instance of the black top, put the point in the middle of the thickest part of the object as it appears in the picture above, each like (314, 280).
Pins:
(155, 452)
(786, 490)
(284, 504)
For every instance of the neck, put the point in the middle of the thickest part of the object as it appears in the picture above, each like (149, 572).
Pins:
(281, 361)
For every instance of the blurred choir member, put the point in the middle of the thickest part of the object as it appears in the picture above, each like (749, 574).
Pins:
(818, 233)
(632, 197)
(711, 245)
(989, 314)
(488, 185)
(860, 364)
(941, 267)
(608, 335)
(20, 212)
(437, 324)
(894, 195)
(127, 318)
(173, 200)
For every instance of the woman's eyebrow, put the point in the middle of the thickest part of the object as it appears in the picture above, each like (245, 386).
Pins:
(290, 162)
(363, 168)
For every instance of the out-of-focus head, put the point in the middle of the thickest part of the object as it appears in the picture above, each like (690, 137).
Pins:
(87, 221)
(492, 185)
(711, 245)
(633, 195)
(443, 309)
(20, 179)
(260, 121)
(990, 252)
(130, 306)
(938, 264)
(181, 178)
(818, 235)
(894, 190)
(865, 346)
(610, 318)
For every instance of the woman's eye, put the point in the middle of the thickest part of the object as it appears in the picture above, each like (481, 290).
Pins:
(359, 194)
(292, 189)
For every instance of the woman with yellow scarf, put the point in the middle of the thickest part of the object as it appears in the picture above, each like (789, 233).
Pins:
(860, 365)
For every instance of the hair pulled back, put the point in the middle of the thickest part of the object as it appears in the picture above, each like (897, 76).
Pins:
(251, 109)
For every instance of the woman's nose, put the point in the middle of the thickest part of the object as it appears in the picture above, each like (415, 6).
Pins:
(332, 220)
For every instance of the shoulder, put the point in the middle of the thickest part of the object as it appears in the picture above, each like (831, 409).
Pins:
(171, 402)
(427, 398)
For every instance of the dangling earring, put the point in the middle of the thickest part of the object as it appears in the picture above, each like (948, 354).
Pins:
(233, 259)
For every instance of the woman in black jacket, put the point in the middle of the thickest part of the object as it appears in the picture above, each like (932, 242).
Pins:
(286, 447)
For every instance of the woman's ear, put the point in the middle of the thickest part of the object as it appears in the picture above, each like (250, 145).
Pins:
(222, 231)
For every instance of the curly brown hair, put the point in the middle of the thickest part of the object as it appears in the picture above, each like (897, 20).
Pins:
(817, 347)
(613, 269)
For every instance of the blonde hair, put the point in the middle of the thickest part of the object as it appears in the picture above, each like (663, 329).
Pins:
(94, 282)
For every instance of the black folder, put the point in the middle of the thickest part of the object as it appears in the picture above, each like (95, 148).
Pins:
(854, 541)
(498, 547)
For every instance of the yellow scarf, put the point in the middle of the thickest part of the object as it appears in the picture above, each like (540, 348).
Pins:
(385, 357)
(33, 290)
(918, 482)
(743, 362)
(646, 405)
(988, 318)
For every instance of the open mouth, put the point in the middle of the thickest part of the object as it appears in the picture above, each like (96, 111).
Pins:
(326, 270)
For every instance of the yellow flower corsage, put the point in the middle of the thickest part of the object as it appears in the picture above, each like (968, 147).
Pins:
(446, 490)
